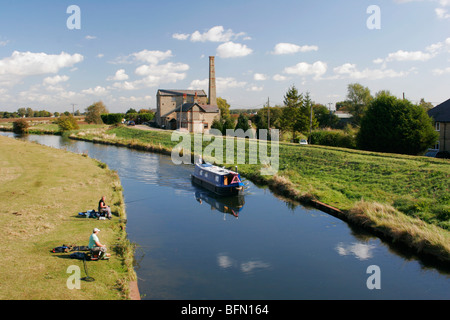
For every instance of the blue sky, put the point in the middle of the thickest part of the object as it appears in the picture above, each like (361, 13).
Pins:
(125, 51)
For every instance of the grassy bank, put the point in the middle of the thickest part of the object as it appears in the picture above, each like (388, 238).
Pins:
(403, 198)
(42, 190)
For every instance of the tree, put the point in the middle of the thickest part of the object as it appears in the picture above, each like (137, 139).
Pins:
(67, 123)
(291, 118)
(94, 112)
(242, 123)
(325, 118)
(21, 126)
(224, 108)
(396, 126)
(426, 105)
(359, 98)
(29, 113)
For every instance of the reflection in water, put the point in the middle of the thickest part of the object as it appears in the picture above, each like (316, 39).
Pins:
(248, 267)
(227, 205)
(360, 250)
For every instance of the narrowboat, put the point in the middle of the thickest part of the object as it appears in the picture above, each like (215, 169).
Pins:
(219, 180)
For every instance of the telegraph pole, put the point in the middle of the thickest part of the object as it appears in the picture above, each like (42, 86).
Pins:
(268, 113)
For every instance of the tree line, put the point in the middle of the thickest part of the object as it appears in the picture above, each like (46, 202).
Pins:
(380, 122)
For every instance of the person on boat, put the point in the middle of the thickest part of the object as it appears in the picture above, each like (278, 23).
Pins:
(103, 208)
(96, 246)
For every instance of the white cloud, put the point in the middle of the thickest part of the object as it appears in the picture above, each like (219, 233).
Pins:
(233, 50)
(430, 52)
(440, 72)
(88, 37)
(160, 70)
(119, 76)
(221, 83)
(152, 57)
(259, 77)
(349, 70)
(152, 72)
(401, 55)
(255, 88)
(180, 36)
(30, 63)
(55, 80)
(290, 48)
(316, 69)
(279, 77)
(148, 56)
(442, 13)
(135, 99)
(97, 91)
(126, 85)
(215, 34)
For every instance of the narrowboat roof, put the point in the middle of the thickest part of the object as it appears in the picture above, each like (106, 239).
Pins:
(215, 169)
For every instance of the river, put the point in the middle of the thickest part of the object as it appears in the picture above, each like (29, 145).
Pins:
(193, 246)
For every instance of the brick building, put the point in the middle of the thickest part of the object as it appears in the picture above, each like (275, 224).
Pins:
(441, 117)
(189, 110)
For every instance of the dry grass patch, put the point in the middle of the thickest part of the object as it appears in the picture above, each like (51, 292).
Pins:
(415, 233)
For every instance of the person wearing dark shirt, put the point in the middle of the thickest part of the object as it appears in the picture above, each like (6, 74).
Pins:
(103, 208)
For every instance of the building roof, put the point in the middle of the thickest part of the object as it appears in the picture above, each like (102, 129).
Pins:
(206, 108)
(188, 106)
(441, 113)
(200, 93)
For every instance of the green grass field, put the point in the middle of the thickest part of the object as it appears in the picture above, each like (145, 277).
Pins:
(42, 189)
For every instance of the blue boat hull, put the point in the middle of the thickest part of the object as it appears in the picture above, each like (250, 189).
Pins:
(220, 190)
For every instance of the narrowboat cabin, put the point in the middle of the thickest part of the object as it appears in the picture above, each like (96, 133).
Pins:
(219, 180)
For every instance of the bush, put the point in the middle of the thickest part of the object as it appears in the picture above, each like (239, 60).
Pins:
(20, 126)
(112, 118)
(396, 126)
(67, 123)
(333, 138)
(139, 118)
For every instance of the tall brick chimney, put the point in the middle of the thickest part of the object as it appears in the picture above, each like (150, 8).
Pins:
(212, 82)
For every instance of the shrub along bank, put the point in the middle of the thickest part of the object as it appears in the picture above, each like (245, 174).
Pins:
(413, 189)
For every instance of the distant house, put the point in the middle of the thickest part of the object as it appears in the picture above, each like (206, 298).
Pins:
(344, 117)
(441, 118)
(190, 110)
(185, 109)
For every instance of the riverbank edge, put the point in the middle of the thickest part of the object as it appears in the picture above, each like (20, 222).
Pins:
(131, 290)
(409, 238)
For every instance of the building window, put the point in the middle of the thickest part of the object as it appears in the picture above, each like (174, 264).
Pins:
(436, 146)
(438, 126)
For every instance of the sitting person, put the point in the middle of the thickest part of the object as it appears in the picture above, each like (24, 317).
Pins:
(103, 208)
(96, 246)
